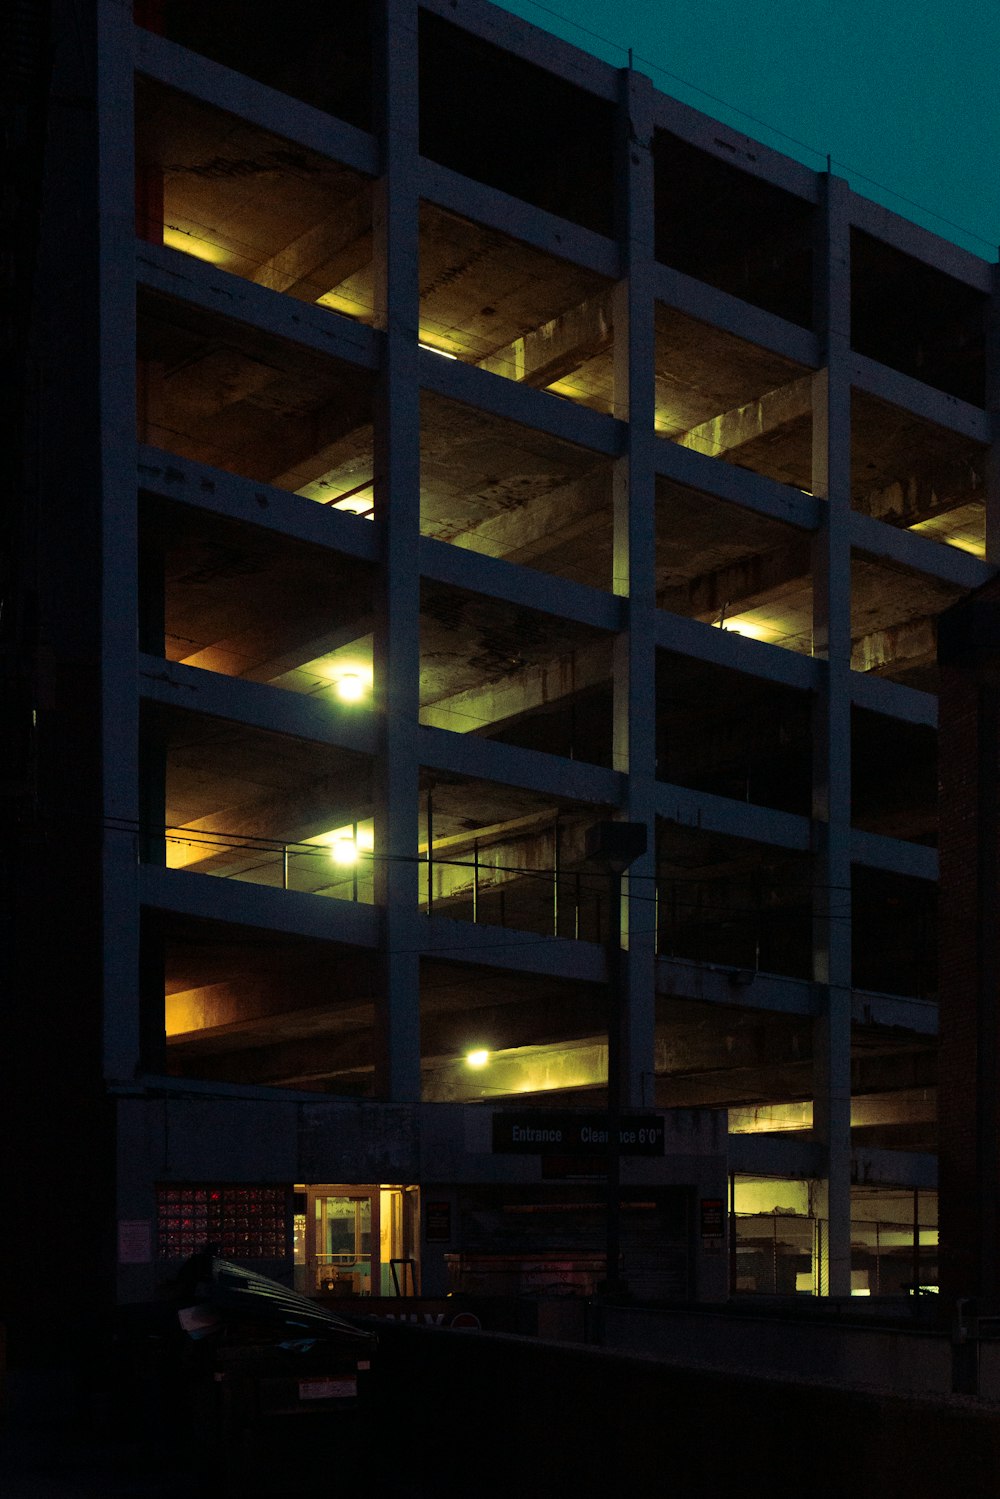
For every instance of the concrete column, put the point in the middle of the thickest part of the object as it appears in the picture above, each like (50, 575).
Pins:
(634, 575)
(832, 740)
(397, 509)
(119, 540)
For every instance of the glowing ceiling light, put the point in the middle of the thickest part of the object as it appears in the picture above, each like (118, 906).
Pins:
(350, 687)
(190, 244)
(344, 851)
(349, 675)
(443, 352)
(974, 548)
(477, 1058)
(743, 624)
(355, 507)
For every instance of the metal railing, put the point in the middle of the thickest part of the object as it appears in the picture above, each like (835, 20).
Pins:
(304, 867)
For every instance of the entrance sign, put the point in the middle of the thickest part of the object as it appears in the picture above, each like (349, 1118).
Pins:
(568, 1134)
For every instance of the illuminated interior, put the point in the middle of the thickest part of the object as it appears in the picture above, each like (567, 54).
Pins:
(780, 1226)
(247, 202)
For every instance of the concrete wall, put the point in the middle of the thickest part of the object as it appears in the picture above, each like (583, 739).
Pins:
(492, 1415)
(969, 1045)
(918, 1361)
(441, 1146)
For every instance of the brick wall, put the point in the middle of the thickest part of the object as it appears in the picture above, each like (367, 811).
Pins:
(965, 670)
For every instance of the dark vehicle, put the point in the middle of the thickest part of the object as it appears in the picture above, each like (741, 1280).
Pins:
(235, 1361)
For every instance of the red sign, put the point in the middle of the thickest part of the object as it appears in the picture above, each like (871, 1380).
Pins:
(437, 1222)
(467, 1319)
(713, 1218)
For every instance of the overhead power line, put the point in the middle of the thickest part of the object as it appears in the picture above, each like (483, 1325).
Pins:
(744, 114)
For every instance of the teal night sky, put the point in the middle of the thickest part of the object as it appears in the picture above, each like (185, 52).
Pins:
(904, 93)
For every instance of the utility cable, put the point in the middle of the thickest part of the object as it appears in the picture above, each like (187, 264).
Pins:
(757, 120)
(262, 844)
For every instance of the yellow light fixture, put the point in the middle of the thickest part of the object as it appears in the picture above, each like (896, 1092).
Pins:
(477, 1058)
(350, 687)
(445, 353)
(344, 851)
(191, 244)
(361, 507)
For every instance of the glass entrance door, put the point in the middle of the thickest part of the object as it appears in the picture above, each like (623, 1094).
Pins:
(357, 1240)
(343, 1240)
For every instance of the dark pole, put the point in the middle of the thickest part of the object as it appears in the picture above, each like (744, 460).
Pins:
(732, 1232)
(430, 853)
(614, 846)
(614, 1225)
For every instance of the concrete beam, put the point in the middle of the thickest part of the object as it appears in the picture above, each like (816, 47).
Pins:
(521, 1071)
(178, 275)
(722, 814)
(911, 644)
(551, 776)
(866, 1112)
(894, 700)
(290, 1061)
(517, 402)
(909, 549)
(517, 218)
(324, 255)
(895, 1012)
(931, 488)
(236, 498)
(291, 451)
(252, 1002)
(761, 578)
(896, 1168)
(518, 952)
(515, 1025)
(243, 904)
(494, 703)
(497, 578)
(324, 721)
(720, 309)
(251, 834)
(767, 1118)
(913, 239)
(734, 429)
(775, 1155)
(735, 1055)
(923, 400)
(277, 663)
(248, 99)
(549, 353)
(738, 988)
(505, 854)
(570, 513)
(894, 855)
(737, 486)
(694, 637)
(750, 1087)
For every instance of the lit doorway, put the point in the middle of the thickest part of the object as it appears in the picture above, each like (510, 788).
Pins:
(357, 1241)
